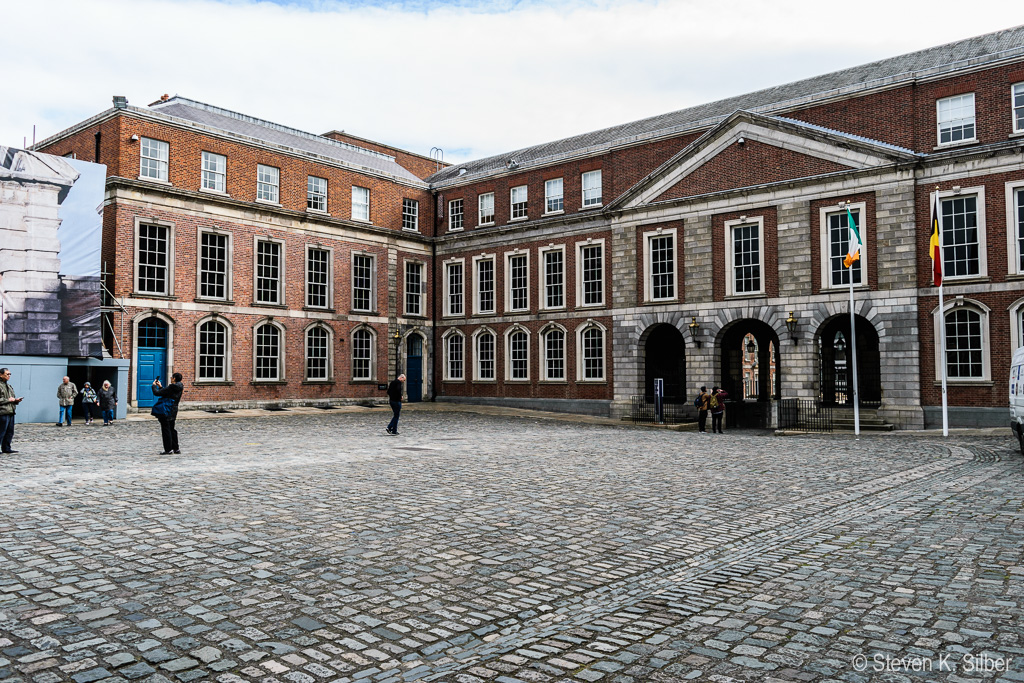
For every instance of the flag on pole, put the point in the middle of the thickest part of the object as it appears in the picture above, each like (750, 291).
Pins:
(853, 253)
(934, 246)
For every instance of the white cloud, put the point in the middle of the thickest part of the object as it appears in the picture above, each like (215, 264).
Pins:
(472, 80)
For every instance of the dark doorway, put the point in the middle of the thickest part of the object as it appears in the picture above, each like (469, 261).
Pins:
(414, 368)
(665, 357)
(751, 372)
(151, 348)
(835, 361)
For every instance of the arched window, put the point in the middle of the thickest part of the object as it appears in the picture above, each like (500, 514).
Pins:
(517, 355)
(454, 353)
(553, 342)
(267, 342)
(362, 354)
(213, 352)
(318, 354)
(485, 355)
(966, 325)
(152, 334)
(590, 353)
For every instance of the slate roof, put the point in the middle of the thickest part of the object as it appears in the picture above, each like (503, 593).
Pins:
(983, 49)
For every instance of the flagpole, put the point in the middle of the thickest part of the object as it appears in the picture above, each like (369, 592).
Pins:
(853, 343)
(942, 323)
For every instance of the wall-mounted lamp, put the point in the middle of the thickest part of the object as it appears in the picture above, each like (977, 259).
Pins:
(751, 346)
(694, 329)
(134, 138)
(742, 141)
(791, 326)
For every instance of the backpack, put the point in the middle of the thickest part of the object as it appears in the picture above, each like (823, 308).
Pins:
(714, 402)
(696, 401)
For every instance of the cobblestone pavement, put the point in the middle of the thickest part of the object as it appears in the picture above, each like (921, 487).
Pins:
(476, 548)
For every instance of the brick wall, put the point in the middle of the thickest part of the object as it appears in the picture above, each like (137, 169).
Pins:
(769, 234)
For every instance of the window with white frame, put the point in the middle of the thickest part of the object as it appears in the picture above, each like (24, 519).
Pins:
(410, 214)
(316, 193)
(214, 267)
(836, 245)
(485, 205)
(362, 282)
(413, 288)
(268, 183)
(485, 356)
(153, 159)
(267, 340)
(318, 277)
(454, 346)
(591, 181)
(744, 256)
(590, 275)
(961, 241)
(268, 272)
(517, 355)
(153, 259)
(554, 278)
(214, 172)
(1017, 324)
(591, 353)
(318, 353)
(454, 288)
(955, 118)
(1017, 97)
(518, 274)
(553, 196)
(966, 326)
(362, 354)
(518, 201)
(456, 215)
(213, 352)
(554, 354)
(661, 265)
(360, 203)
(1015, 227)
(485, 285)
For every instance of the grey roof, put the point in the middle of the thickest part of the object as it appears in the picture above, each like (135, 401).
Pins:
(944, 58)
(848, 136)
(264, 131)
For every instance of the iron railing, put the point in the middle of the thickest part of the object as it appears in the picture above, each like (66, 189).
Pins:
(804, 414)
(642, 410)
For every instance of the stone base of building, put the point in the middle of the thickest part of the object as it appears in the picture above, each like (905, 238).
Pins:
(284, 403)
(967, 417)
(903, 418)
(554, 405)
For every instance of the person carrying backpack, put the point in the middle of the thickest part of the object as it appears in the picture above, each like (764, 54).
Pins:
(717, 405)
(703, 404)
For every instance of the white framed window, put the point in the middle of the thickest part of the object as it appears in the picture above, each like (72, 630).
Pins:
(268, 352)
(660, 265)
(517, 281)
(269, 272)
(962, 225)
(590, 365)
(319, 277)
(215, 170)
(454, 355)
(744, 256)
(363, 279)
(483, 267)
(591, 182)
(835, 244)
(318, 353)
(483, 345)
(1016, 310)
(153, 158)
(410, 214)
(268, 183)
(552, 276)
(154, 258)
(553, 345)
(316, 194)
(214, 281)
(455, 282)
(590, 273)
(1017, 107)
(518, 200)
(363, 347)
(485, 206)
(517, 354)
(1015, 227)
(955, 117)
(360, 203)
(414, 287)
(456, 216)
(967, 342)
(213, 349)
(553, 196)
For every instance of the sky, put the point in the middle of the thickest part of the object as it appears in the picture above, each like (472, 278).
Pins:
(472, 78)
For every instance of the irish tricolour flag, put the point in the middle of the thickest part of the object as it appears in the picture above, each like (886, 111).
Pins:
(853, 254)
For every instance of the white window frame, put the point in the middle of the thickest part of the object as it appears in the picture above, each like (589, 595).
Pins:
(476, 355)
(1014, 189)
(461, 214)
(255, 271)
(446, 341)
(476, 284)
(961, 121)
(825, 245)
(422, 285)
(978, 190)
(542, 277)
(330, 277)
(1017, 102)
(215, 167)
(549, 196)
(581, 361)
(359, 194)
(542, 341)
(414, 212)
(229, 255)
(279, 375)
(986, 363)
(516, 253)
(373, 281)
(523, 203)
(508, 354)
(168, 268)
(160, 161)
(592, 203)
(373, 354)
(228, 337)
(329, 361)
(480, 209)
(447, 288)
(730, 267)
(310, 194)
(580, 246)
(1016, 310)
(265, 181)
(649, 238)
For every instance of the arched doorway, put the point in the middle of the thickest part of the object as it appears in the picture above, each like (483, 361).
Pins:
(835, 361)
(665, 358)
(414, 368)
(151, 349)
(751, 372)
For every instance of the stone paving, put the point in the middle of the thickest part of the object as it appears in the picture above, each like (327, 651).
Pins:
(479, 548)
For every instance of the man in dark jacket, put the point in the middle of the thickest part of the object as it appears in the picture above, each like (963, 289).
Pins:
(395, 399)
(167, 431)
(8, 404)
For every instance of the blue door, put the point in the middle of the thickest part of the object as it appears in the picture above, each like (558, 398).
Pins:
(152, 354)
(414, 369)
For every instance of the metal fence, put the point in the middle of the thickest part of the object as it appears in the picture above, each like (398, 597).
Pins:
(804, 414)
(642, 410)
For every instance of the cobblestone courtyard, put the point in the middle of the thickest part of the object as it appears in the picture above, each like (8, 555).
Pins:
(480, 548)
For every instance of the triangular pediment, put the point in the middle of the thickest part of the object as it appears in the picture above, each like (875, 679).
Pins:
(750, 150)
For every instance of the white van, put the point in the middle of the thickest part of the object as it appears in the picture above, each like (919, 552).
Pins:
(1017, 396)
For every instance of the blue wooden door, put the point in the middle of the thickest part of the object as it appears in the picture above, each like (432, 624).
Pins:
(152, 363)
(414, 369)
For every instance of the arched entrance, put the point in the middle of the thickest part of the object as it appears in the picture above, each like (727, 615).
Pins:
(665, 358)
(835, 361)
(151, 347)
(414, 368)
(751, 372)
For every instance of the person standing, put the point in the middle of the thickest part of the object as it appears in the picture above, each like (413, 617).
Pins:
(395, 399)
(703, 403)
(8, 404)
(66, 394)
(172, 392)
(89, 402)
(717, 409)
(108, 402)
